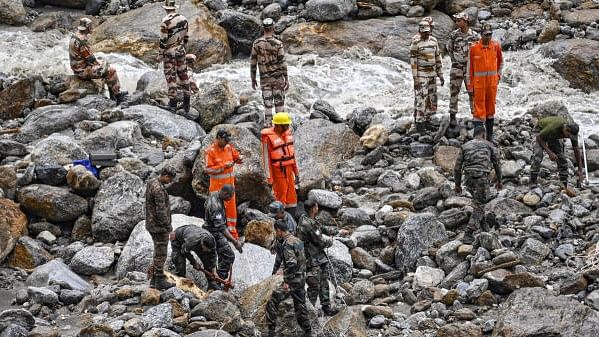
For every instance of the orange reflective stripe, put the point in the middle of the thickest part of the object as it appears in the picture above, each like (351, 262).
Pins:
(222, 176)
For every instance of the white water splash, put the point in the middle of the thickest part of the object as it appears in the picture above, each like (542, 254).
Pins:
(347, 81)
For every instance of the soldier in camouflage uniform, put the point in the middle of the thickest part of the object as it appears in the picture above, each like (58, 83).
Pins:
(216, 224)
(173, 38)
(158, 224)
(85, 65)
(475, 159)
(458, 46)
(551, 130)
(191, 238)
(425, 59)
(316, 241)
(291, 252)
(268, 56)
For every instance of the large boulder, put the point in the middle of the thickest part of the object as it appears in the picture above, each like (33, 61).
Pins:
(250, 182)
(417, 234)
(118, 207)
(82, 181)
(215, 103)
(242, 29)
(320, 145)
(532, 312)
(245, 272)
(379, 35)
(137, 32)
(92, 260)
(504, 207)
(160, 123)
(139, 249)
(113, 136)
(582, 17)
(13, 224)
(220, 307)
(576, 61)
(49, 119)
(329, 10)
(28, 254)
(10, 147)
(52, 203)
(19, 317)
(57, 272)
(77, 4)
(22, 93)
(349, 319)
(12, 12)
(59, 147)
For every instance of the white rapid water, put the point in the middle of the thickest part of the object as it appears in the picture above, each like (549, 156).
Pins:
(353, 79)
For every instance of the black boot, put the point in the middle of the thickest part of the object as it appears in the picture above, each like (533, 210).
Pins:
(160, 282)
(328, 311)
(172, 105)
(271, 331)
(186, 103)
(533, 179)
(121, 97)
(489, 123)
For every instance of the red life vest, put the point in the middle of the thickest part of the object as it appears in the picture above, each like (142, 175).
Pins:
(282, 152)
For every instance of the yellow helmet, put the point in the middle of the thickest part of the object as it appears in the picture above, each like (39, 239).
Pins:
(281, 118)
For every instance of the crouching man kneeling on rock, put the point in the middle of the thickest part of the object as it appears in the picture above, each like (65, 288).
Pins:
(290, 251)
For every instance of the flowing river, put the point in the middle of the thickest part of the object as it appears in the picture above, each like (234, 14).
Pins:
(353, 79)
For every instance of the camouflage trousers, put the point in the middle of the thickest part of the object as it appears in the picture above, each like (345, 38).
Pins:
(104, 71)
(478, 186)
(298, 294)
(317, 278)
(456, 79)
(274, 96)
(225, 254)
(160, 252)
(425, 99)
(175, 72)
(557, 147)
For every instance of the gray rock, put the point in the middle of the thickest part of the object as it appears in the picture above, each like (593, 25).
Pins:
(427, 277)
(390, 179)
(418, 233)
(430, 177)
(362, 292)
(322, 109)
(360, 118)
(427, 196)
(43, 296)
(329, 10)
(377, 322)
(49, 119)
(12, 13)
(272, 11)
(504, 207)
(326, 198)
(115, 135)
(510, 169)
(118, 207)
(160, 316)
(13, 330)
(354, 217)
(46, 237)
(179, 205)
(63, 149)
(447, 256)
(49, 172)
(10, 147)
(92, 260)
(366, 236)
(593, 300)
(68, 297)
(56, 272)
(363, 260)
(161, 332)
(220, 307)
(421, 150)
(565, 251)
(20, 317)
(552, 315)
(415, 11)
(457, 274)
(210, 333)
(135, 327)
(453, 218)
(242, 29)
(533, 251)
(160, 123)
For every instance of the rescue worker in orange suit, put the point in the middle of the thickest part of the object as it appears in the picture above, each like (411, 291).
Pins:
(485, 61)
(221, 157)
(279, 160)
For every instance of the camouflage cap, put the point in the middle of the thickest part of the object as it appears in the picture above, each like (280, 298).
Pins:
(168, 170)
(461, 16)
(487, 28)
(424, 27)
(169, 5)
(84, 24)
(430, 21)
(268, 22)
(275, 207)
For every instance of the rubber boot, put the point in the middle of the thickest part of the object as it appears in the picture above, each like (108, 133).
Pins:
(172, 105)
(478, 123)
(489, 123)
(121, 97)
(271, 331)
(186, 103)
(160, 282)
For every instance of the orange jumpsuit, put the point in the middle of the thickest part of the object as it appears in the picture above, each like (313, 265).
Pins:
(281, 168)
(484, 71)
(216, 160)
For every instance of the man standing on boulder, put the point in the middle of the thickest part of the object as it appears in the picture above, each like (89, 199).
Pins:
(173, 38)
(85, 65)
(458, 47)
(278, 155)
(291, 253)
(268, 55)
(550, 132)
(221, 156)
(425, 59)
(158, 224)
(315, 239)
(476, 159)
(216, 223)
(485, 62)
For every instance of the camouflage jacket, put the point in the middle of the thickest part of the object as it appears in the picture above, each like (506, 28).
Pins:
(191, 238)
(80, 54)
(315, 241)
(425, 57)
(291, 253)
(268, 55)
(458, 46)
(476, 159)
(158, 209)
(214, 214)
(173, 34)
